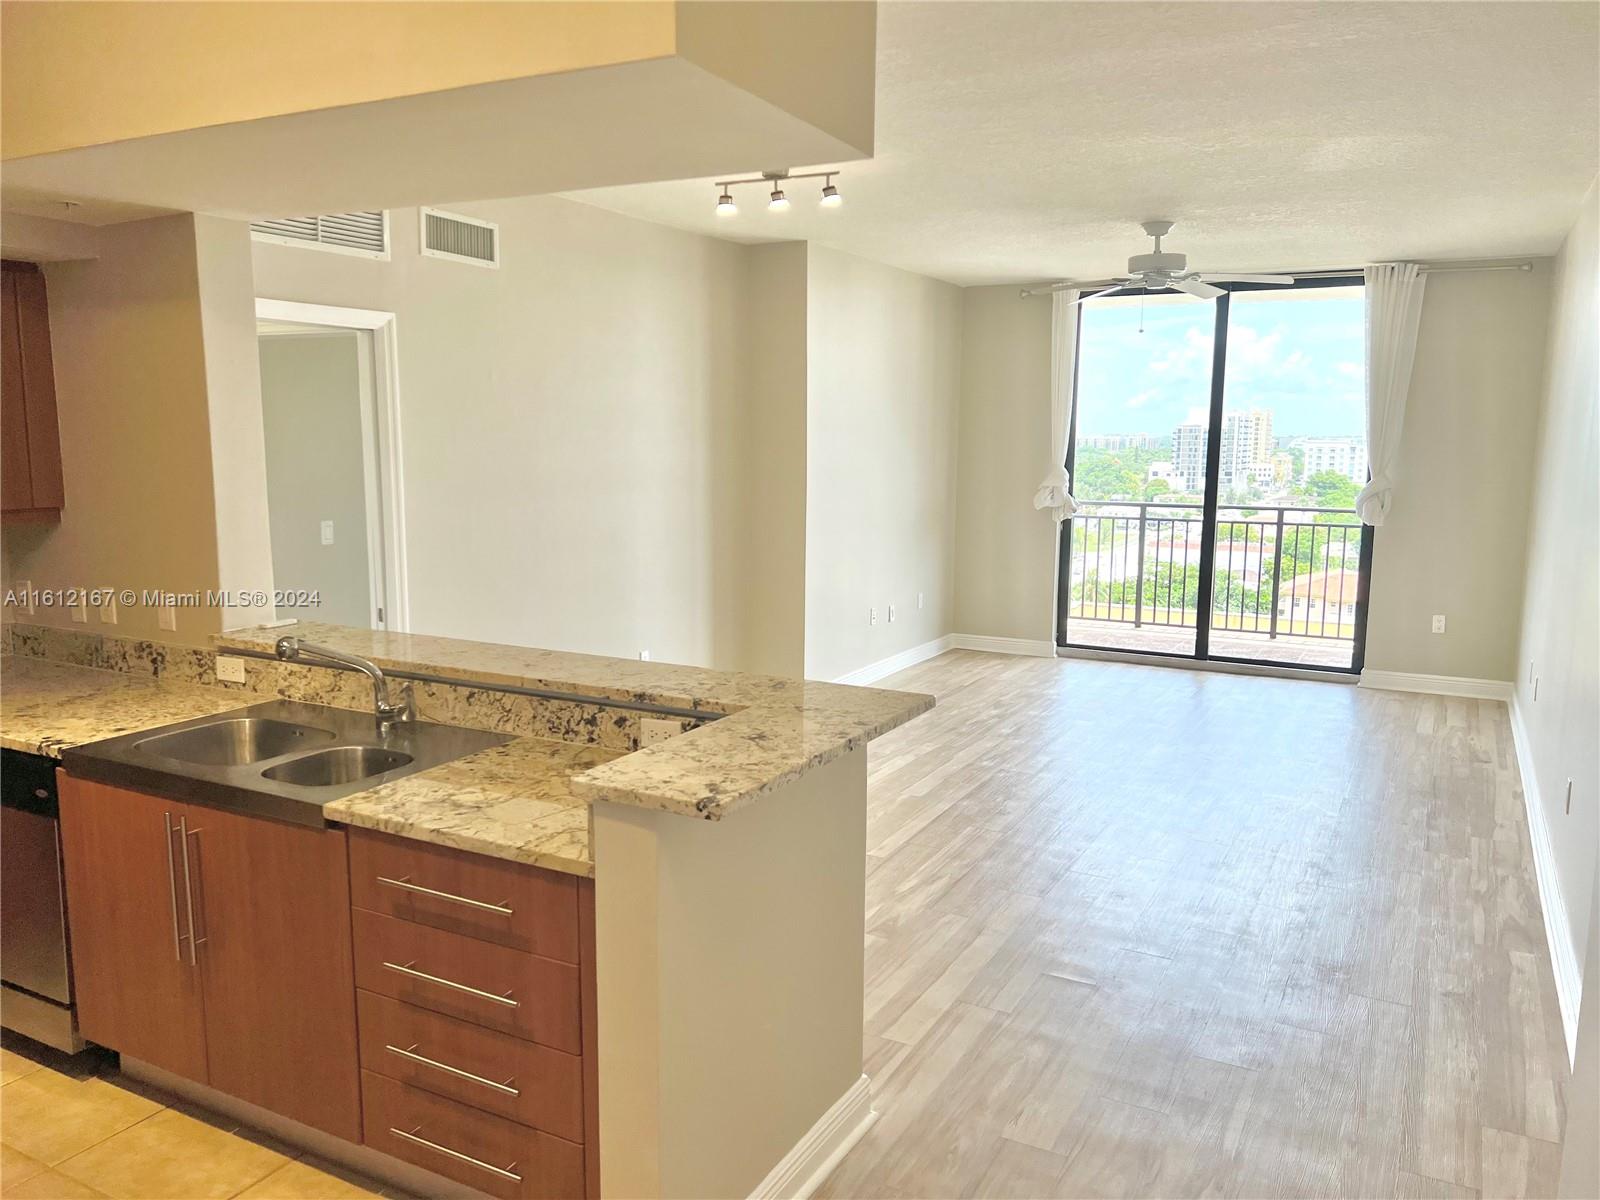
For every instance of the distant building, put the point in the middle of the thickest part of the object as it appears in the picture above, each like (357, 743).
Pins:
(1247, 449)
(1167, 473)
(1345, 456)
(1315, 601)
(1189, 456)
(1120, 441)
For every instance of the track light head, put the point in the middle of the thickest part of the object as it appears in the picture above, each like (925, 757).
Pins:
(830, 194)
(778, 202)
(725, 205)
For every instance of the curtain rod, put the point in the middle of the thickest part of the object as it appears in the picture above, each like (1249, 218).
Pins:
(1426, 269)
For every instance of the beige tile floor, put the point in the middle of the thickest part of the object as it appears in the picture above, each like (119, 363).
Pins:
(73, 1128)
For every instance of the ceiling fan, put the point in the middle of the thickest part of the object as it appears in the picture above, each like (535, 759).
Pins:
(1164, 270)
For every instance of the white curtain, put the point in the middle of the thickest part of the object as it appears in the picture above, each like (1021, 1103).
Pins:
(1055, 491)
(1394, 306)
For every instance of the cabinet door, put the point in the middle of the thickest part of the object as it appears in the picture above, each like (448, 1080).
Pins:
(38, 389)
(16, 484)
(137, 992)
(273, 916)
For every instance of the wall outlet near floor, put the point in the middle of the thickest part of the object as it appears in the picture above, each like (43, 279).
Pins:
(891, 614)
(108, 610)
(644, 656)
(327, 533)
(230, 669)
(167, 617)
(1438, 622)
(657, 729)
(80, 610)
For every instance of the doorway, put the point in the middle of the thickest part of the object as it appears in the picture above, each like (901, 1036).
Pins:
(330, 419)
(1216, 451)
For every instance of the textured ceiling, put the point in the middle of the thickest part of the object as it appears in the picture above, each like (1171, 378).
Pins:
(1025, 141)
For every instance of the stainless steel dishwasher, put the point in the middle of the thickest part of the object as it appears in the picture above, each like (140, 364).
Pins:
(35, 970)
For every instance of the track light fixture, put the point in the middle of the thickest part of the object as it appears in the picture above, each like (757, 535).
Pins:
(777, 200)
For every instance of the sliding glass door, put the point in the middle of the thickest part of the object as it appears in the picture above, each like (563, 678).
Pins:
(1216, 452)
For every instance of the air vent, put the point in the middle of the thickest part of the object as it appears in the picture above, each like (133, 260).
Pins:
(362, 233)
(462, 239)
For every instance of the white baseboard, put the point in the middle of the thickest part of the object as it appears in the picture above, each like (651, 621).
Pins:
(1557, 927)
(873, 672)
(801, 1171)
(1003, 645)
(1438, 685)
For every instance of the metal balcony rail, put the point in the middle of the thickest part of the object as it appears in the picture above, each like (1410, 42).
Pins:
(1279, 569)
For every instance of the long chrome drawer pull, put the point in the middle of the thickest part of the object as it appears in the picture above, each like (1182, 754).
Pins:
(405, 969)
(456, 1154)
(172, 887)
(410, 1055)
(404, 884)
(185, 833)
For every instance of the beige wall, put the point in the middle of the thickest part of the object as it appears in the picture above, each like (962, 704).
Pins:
(1005, 548)
(730, 980)
(1456, 540)
(311, 407)
(570, 423)
(1559, 647)
(78, 74)
(131, 390)
(772, 507)
(883, 373)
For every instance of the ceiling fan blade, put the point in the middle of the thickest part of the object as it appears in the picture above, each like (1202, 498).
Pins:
(1215, 277)
(1195, 288)
(1116, 287)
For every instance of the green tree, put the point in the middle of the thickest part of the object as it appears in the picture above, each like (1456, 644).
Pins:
(1332, 490)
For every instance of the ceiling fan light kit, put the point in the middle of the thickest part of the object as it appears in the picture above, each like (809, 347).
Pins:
(1166, 270)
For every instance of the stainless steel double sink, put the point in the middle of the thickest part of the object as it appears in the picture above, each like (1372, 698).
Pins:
(278, 759)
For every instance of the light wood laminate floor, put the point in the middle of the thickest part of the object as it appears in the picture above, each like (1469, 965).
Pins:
(1142, 931)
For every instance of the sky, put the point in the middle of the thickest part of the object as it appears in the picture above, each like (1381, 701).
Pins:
(1300, 354)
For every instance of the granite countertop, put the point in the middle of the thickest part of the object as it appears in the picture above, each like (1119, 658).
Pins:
(777, 728)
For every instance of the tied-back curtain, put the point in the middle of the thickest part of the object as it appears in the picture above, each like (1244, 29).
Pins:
(1394, 307)
(1055, 491)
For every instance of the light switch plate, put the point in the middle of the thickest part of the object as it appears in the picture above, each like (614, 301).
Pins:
(108, 610)
(230, 668)
(80, 611)
(327, 533)
(167, 617)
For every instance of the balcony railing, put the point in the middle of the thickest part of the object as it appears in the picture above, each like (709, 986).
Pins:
(1279, 570)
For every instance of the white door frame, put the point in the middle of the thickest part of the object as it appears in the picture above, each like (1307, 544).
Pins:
(380, 432)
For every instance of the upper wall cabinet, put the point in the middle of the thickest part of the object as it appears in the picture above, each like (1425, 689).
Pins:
(30, 469)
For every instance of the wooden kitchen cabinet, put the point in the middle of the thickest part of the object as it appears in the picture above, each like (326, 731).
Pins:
(30, 441)
(232, 968)
(135, 988)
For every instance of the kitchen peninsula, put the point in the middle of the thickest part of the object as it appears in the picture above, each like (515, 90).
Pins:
(718, 871)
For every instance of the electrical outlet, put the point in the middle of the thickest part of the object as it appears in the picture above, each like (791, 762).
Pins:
(80, 610)
(230, 669)
(657, 729)
(167, 617)
(872, 616)
(327, 533)
(108, 610)
(1438, 622)
(644, 656)
(891, 614)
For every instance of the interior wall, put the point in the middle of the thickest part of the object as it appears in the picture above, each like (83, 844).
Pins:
(1456, 539)
(572, 441)
(136, 449)
(1005, 547)
(311, 405)
(1558, 654)
(883, 372)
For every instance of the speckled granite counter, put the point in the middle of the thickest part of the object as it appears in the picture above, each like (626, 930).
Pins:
(778, 728)
(47, 706)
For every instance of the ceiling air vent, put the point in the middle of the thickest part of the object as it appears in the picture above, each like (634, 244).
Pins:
(462, 239)
(362, 233)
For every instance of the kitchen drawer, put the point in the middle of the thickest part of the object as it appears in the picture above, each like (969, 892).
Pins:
(493, 986)
(486, 1152)
(521, 1081)
(519, 906)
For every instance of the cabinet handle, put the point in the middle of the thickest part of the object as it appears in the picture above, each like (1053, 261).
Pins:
(406, 969)
(410, 1055)
(172, 887)
(188, 886)
(456, 1154)
(404, 884)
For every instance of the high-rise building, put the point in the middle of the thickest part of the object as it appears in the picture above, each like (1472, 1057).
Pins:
(1247, 448)
(1189, 457)
(1345, 456)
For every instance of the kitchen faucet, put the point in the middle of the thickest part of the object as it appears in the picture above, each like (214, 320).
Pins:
(292, 649)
